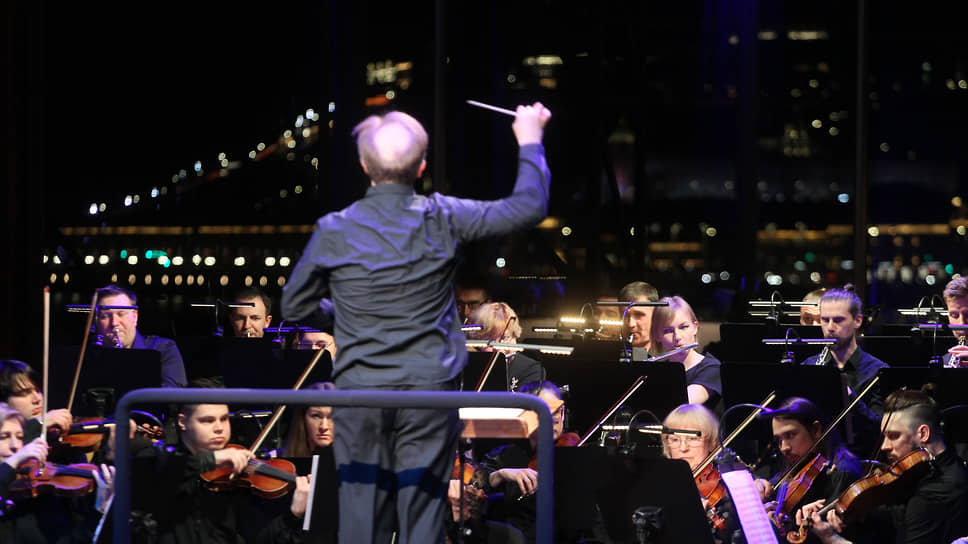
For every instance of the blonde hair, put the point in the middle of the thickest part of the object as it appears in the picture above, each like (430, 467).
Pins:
(494, 316)
(6, 412)
(297, 442)
(697, 416)
(392, 147)
(663, 315)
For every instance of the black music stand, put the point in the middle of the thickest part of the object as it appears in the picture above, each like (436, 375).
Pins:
(744, 342)
(631, 483)
(905, 350)
(258, 363)
(588, 349)
(950, 384)
(107, 374)
(325, 515)
(476, 363)
(594, 386)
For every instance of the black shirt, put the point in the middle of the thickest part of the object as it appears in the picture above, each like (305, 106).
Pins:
(938, 509)
(706, 374)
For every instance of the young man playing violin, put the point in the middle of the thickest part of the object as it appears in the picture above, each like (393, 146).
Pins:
(168, 485)
(797, 425)
(937, 508)
(20, 390)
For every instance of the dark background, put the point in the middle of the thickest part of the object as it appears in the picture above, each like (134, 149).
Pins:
(670, 119)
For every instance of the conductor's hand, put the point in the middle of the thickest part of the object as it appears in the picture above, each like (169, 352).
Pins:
(529, 124)
(526, 478)
(35, 450)
(234, 459)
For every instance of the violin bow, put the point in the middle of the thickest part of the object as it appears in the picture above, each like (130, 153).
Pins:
(618, 404)
(282, 407)
(490, 363)
(732, 436)
(46, 361)
(80, 356)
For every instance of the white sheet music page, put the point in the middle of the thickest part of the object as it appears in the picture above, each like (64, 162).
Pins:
(749, 507)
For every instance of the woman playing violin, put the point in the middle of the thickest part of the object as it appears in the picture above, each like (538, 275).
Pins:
(500, 323)
(46, 517)
(676, 326)
(168, 485)
(937, 508)
(694, 450)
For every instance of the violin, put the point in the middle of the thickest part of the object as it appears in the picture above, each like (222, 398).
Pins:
(881, 488)
(566, 440)
(269, 479)
(87, 434)
(35, 478)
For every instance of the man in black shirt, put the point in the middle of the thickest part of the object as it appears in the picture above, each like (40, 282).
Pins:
(841, 316)
(936, 511)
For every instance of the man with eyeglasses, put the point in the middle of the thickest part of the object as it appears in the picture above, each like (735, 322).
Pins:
(469, 296)
(117, 326)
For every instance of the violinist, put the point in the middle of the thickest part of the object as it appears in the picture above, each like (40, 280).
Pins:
(46, 517)
(936, 510)
(501, 324)
(19, 389)
(175, 505)
(797, 425)
(694, 450)
(310, 427)
(507, 467)
(675, 326)
(841, 318)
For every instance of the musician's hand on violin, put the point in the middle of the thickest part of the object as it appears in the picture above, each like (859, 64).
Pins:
(809, 510)
(835, 522)
(764, 487)
(770, 507)
(300, 496)
(526, 478)
(104, 478)
(60, 418)
(529, 124)
(37, 449)
(235, 459)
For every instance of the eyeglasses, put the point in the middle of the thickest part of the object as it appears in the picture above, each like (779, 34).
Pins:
(559, 413)
(676, 440)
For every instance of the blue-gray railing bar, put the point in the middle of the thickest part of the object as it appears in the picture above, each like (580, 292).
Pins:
(367, 398)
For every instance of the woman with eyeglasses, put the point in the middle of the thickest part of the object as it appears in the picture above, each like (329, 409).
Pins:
(694, 450)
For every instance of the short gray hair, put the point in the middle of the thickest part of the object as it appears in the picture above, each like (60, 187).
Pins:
(392, 147)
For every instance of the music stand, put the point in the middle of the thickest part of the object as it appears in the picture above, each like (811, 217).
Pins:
(743, 342)
(905, 350)
(107, 373)
(665, 483)
(476, 363)
(258, 363)
(594, 386)
(587, 349)
(325, 515)
(950, 384)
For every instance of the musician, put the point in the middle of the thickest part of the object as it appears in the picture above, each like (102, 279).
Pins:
(956, 300)
(610, 313)
(250, 322)
(505, 469)
(168, 487)
(501, 324)
(20, 390)
(314, 340)
(797, 424)
(119, 326)
(45, 518)
(675, 326)
(310, 427)
(388, 261)
(841, 317)
(638, 319)
(937, 508)
(694, 450)
(810, 315)
(469, 294)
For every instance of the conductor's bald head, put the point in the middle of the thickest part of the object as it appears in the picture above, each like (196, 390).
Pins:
(392, 147)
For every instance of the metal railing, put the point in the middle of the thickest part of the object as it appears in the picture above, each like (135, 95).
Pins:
(360, 398)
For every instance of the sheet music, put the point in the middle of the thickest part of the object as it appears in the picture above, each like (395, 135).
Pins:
(749, 507)
(312, 493)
